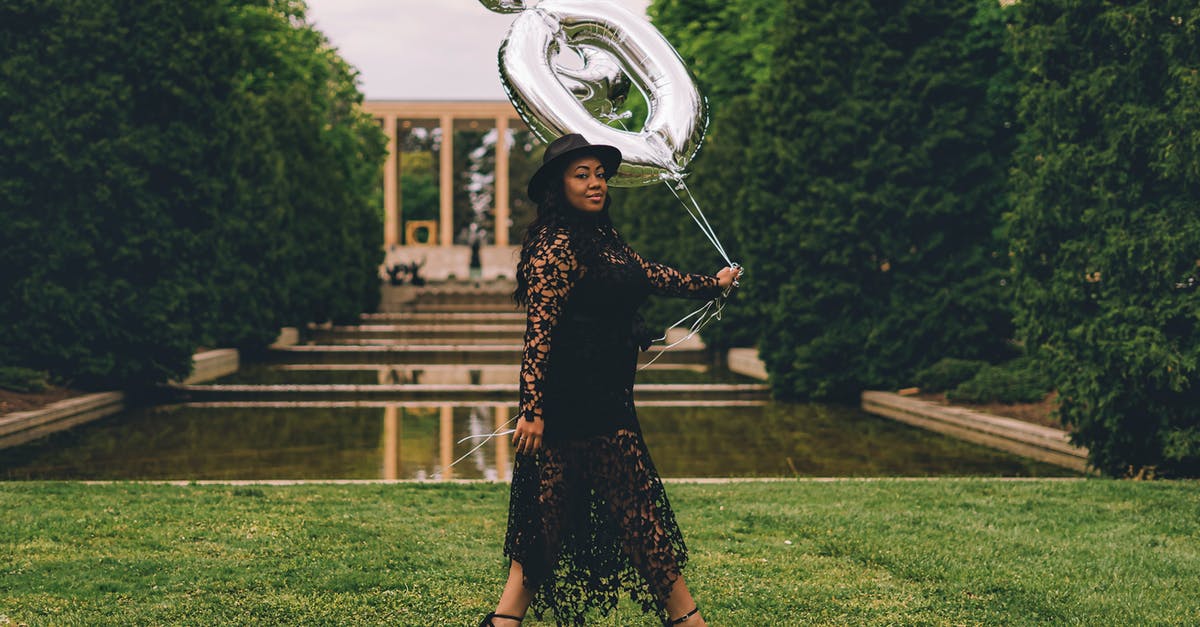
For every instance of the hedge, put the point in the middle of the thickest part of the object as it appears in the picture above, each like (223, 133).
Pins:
(871, 189)
(175, 174)
(907, 181)
(726, 45)
(1105, 228)
(856, 164)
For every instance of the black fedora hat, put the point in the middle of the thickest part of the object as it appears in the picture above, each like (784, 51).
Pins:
(561, 151)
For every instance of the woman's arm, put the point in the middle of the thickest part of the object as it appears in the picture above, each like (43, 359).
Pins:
(550, 273)
(668, 281)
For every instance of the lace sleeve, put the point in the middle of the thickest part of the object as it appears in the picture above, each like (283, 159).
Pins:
(550, 274)
(668, 281)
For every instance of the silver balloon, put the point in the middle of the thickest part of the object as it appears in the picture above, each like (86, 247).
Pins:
(600, 84)
(678, 115)
(504, 6)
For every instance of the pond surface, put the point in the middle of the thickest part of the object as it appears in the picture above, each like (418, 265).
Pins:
(300, 428)
(417, 440)
(365, 374)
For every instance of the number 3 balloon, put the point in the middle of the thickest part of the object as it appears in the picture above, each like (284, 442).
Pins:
(611, 41)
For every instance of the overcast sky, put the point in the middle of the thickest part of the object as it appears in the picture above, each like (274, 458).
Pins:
(421, 49)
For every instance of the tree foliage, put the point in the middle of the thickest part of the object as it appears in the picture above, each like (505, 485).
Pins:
(1105, 230)
(726, 44)
(908, 181)
(175, 174)
(856, 165)
(525, 156)
(879, 150)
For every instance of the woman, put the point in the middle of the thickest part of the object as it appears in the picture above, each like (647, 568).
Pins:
(588, 516)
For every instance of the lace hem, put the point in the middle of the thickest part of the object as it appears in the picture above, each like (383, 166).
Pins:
(589, 520)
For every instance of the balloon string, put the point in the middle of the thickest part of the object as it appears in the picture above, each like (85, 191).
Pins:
(701, 221)
(691, 331)
(685, 319)
(717, 304)
(695, 328)
(487, 438)
(693, 210)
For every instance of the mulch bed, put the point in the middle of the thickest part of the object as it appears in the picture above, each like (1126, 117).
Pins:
(1036, 413)
(25, 401)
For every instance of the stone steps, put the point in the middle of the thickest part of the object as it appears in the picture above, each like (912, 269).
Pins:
(481, 354)
(445, 392)
(444, 317)
(414, 341)
(447, 332)
(449, 297)
(431, 307)
(446, 373)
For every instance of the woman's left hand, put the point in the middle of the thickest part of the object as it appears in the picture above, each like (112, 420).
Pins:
(729, 276)
(527, 437)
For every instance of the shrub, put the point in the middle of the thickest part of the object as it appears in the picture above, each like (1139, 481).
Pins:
(20, 379)
(872, 212)
(1105, 232)
(856, 165)
(109, 110)
(175, 173)
(1018, 381)
(728, 51)
(947, 373)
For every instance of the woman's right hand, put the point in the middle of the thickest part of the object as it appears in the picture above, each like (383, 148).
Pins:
(528, 437)
(728, 276)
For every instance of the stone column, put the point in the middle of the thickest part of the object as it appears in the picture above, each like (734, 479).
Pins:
(501, 185)
(391, 184)
(446, 225)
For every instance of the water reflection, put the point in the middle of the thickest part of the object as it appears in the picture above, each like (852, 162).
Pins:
(453, 374)
(419, 440)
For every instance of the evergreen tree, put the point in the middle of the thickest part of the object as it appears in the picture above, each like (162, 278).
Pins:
(725, 44)
(871, 208)
(1105, 232)
(176, 174)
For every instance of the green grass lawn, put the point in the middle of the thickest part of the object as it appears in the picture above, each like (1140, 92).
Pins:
(882, 552)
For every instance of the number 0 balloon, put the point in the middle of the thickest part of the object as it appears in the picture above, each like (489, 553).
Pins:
(612, 43)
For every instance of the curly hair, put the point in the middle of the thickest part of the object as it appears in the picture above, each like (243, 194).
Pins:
(587, 232)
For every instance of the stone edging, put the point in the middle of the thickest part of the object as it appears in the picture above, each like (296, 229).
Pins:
(745, 361)
(17, 428)
(213, 364)
(1044, 444)
(21, 427)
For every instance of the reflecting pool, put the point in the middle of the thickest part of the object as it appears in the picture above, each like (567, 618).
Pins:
(420, 440)
(392, 374)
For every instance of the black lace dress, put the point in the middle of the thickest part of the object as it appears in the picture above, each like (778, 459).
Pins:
(588, 516)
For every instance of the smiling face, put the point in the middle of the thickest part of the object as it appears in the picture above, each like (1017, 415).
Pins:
(585, 184)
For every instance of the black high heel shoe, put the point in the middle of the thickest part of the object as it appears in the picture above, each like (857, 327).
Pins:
(487, 620)
(682, 619)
